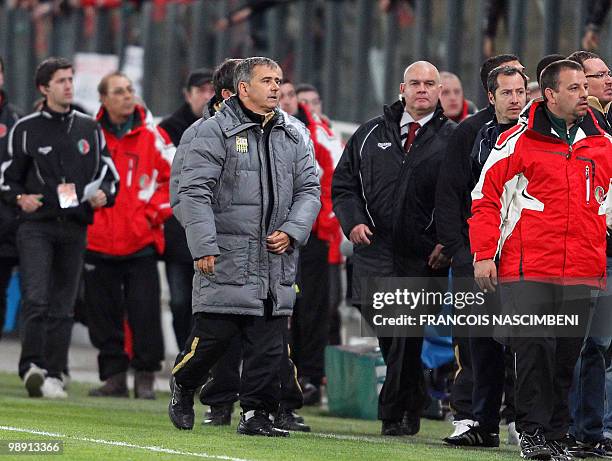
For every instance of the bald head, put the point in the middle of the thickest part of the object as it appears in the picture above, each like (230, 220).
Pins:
(420, 89)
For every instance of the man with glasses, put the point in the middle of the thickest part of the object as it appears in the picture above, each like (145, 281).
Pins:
(587, 399)
(123, 245)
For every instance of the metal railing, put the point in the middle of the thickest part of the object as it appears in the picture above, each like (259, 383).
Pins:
(351, 50)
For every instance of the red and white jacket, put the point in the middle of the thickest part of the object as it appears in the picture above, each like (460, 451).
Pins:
(541, 204)
(143, 157)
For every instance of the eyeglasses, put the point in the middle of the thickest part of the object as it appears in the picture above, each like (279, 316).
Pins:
(600, 75)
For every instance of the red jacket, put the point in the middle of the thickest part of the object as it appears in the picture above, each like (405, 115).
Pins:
(143, 158)
(326, 226)
(541, 203)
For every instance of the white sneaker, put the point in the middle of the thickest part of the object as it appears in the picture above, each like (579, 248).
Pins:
(463, 425)
(53, 388)
(33, 380)
(513, 435)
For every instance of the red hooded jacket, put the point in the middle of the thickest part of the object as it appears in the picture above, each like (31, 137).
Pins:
(142, 158)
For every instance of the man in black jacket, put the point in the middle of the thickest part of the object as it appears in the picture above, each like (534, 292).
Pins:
(382, 191)
(57, 172)
(179, 265)
(507, 91)
(9, 115)
(453, 204)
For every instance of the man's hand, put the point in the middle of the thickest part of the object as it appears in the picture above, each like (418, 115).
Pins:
(98, 200)
(485, 273)
(590, 40)
(29, 203)
(206, 265)
(278, 242)
(359, 235)
(436, 259)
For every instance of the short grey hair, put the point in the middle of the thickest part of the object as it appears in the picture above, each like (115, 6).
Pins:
(244, 70)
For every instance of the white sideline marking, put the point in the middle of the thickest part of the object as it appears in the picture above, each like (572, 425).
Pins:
(121, 444)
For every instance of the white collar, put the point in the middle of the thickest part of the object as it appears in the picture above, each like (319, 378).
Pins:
(407, 118)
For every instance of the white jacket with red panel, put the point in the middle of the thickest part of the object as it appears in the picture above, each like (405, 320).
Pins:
(541, 204)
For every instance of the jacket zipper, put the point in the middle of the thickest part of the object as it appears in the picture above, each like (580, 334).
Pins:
(588, 183)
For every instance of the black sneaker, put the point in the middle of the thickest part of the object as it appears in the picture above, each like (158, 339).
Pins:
(559, 451)
(601, 449)
(257, 422)
(391, 428)
(286, 420)
(411, 425)
(219, 415)
(574, 447)
(180, 408)
(474, 437)
(533, 446)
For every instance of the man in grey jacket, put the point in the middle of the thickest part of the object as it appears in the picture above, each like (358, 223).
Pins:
(247, 195)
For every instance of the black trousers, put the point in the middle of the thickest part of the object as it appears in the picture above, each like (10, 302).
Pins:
(463, 382)
(404, 389)
(262, 353)
(310, 321)
(51, 261)
(116, 288)
(544, 365)
(180, 280)
(6, 270)
(223, 388)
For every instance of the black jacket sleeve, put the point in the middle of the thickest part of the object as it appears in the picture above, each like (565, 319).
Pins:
(347, 191)
(452, 191)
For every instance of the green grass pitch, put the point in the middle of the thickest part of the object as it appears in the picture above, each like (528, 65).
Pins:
(128, 429)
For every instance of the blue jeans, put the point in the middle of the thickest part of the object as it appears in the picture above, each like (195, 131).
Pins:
(608, 408)
(589, 389)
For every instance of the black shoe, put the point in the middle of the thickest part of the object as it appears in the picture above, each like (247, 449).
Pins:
(392, 428)
(411, 425)
(285, 419)
(474, 437)
(219, 415)
(533, 446)
(575, 448)
(601, 449)
(558, 451)
(257, 422)
(312, 394)
(180, 408)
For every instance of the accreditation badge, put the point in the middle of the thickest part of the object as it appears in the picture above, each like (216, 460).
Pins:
(242, 144)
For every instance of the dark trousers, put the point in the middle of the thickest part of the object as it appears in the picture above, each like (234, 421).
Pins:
(404, 389)
(544, 365)
(262, 353)
(223, 387)
(116, 288)
(51, 259)
(6, 270)
(463, 383)
(310, 321)
(180, 280)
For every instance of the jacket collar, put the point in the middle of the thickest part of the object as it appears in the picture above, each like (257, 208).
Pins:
(538, 122)
(233, 120)
(393, 114)
(58, 116)
(140, 117)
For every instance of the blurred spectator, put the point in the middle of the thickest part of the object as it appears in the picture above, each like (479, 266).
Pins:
(121, 275)
(494, 11)
(596, 16)
(455, 106)
(533, 91)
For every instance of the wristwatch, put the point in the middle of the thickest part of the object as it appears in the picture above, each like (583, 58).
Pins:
(18, 197)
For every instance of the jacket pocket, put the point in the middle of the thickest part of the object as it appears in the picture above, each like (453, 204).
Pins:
(288, 268)
(231, 266)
